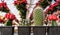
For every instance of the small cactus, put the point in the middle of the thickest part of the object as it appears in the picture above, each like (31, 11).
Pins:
(38, 17)
(8, 23)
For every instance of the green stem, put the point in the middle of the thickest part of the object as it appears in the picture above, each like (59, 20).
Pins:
(54, 23)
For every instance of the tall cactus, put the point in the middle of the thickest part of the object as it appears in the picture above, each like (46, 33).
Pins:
(38, 16)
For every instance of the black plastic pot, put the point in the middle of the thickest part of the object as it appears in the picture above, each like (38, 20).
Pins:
(6, 30)
(54, 30)
(39, 30)
(24, 30)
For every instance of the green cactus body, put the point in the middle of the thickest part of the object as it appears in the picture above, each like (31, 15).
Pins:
(8, 23)
(54, 23)
(38, 16)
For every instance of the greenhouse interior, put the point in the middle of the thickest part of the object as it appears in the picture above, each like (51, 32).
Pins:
(29, 17)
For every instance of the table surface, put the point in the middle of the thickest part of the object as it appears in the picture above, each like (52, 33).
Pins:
(31, 33)
(17, 33)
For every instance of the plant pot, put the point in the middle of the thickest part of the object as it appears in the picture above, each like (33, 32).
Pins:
(54, 30)
(24, 30)
(6, 30)
(39, 30)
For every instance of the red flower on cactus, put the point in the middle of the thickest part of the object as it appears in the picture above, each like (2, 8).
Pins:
(58, 0)
(58, 12)
(6, 8)
(1, 21)
(19, 2)
(24, 1)
(4, 4)
(1, 5)
(55, 4)
(16, 2)
(52, 17)
(10, 16)
(52, 6)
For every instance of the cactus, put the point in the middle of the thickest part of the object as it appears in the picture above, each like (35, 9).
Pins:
(38, 17)
(8, 23)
